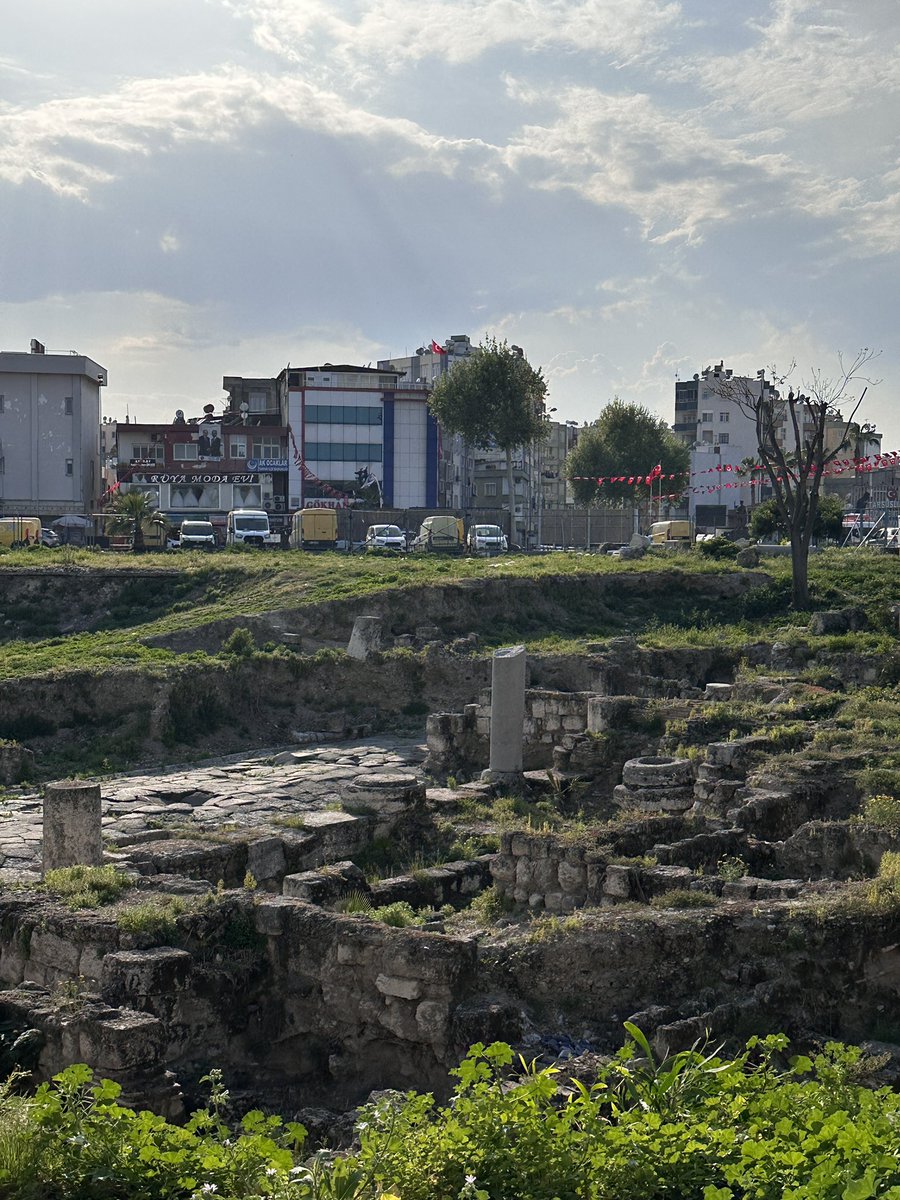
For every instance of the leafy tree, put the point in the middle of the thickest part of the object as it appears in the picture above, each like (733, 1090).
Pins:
(494, 398)
(130, 512)
(626, 439)
(791, 439)
(766, 519)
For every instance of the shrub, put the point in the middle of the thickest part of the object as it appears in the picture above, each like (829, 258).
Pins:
(719, 548)
(400, 915)
(731, 868)
(489, 906)
(239, 643)
(883, 811)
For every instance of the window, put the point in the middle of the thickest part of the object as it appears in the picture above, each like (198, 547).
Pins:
(258, 401)
(723, 439)
(707, 437)
(147, 450)
(490, 489)
(707, 416)
(70, 466)
(360, 452)
(68, 406)
(723, 417)
(237, 447)
(267, 447)
(342, 414)
(2, 404)
(185, 451)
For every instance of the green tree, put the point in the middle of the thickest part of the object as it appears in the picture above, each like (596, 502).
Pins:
(791, 436)
(494, 398)
(766, 519)
(130, 512)
(626, 439)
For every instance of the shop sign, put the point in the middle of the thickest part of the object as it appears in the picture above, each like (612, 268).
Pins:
(267, 464)
(188, 479)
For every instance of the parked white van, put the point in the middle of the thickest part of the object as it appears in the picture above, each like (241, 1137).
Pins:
(487, 539)
(249, 527)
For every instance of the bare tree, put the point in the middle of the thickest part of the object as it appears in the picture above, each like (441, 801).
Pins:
(791, 435)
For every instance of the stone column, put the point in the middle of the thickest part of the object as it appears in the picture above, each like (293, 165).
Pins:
(72, 825)
(365, 638)
(507, 712)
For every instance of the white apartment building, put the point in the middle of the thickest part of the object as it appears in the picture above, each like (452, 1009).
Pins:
(49, 432)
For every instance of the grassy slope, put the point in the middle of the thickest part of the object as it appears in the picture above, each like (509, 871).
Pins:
(205, 589)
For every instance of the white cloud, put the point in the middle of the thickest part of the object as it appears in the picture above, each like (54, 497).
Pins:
(54, 142)
(391, 34)
(811, 61)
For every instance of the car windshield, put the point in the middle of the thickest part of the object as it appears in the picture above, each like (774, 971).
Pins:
(196, 529)
(251, 523)
(487, 531)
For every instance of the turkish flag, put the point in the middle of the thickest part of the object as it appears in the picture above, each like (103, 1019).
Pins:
(436, 349)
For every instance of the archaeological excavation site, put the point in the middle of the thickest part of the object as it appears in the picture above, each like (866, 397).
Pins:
(324, 841)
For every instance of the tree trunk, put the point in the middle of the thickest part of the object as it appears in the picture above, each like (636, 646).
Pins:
(800, 572)
(510, 483)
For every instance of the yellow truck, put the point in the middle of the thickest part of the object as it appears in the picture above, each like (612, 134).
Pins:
(20, 531)
(441, 533)
(314, 529)
(671, 533)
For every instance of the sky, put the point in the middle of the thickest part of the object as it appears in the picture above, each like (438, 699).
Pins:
(629, 189)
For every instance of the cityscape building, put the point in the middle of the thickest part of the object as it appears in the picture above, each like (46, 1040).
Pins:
(49, 439)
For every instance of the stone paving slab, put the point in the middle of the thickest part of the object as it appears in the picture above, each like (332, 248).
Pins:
(252, 791)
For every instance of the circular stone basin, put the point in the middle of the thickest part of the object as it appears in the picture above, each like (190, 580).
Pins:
(657, 771)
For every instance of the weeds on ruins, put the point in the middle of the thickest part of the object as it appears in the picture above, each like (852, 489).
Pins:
(308, 885)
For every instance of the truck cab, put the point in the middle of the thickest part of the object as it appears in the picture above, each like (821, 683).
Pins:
(249, 527)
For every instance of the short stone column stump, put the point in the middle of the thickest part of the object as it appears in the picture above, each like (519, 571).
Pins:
(72, 825)
(387, 795)
(656, 784)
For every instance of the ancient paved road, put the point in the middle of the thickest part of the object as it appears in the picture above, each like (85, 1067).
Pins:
(253, 790)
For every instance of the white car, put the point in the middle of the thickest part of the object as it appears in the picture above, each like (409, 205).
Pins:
(385, 537)
(487, 539)
(197, 535)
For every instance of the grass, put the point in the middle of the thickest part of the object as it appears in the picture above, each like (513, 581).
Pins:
(185, 597)
(87, 887)
(153, 918)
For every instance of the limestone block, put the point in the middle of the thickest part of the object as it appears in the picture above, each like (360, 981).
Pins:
(50, 950)
(741, 889)
(618, 881)
(123, 1040)
(433, 1019)
(519, 844)
(536, 901)
(718, 691)
(400, 1018)
(404, 989)
(136, 974)
(538, 709)
(265, 858)
(572, 724)
(270, 915)
(572, 877)
(365, 638)
(553, 902)
(596, 877)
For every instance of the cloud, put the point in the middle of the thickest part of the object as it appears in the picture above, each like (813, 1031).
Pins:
(389, 35)
(62, 143)
(810, 61)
